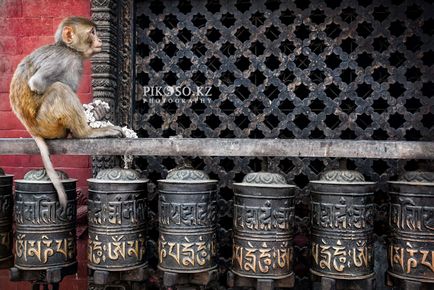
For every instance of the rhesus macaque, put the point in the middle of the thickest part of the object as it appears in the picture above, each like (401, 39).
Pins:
(42, 92)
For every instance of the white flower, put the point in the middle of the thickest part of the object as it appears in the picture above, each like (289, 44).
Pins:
(90, 118)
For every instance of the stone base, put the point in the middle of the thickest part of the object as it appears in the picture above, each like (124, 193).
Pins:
(42, 279)
(259, 283)
(180, 281)
(400, 283)
(328, 283)
(101, 277)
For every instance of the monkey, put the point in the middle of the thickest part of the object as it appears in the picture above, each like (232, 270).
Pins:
(43, 91)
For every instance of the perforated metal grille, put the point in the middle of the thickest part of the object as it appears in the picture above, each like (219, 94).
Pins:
(285, 69)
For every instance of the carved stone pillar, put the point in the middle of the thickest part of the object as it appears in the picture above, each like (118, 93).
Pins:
(112, 69)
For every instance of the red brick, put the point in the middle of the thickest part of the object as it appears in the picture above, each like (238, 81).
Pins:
(18, 172)
(35, 26)
(87, 67)
(76, 161)
(28, 44)
(4, 102)
(9, 121)
(22, 133)
(5, 82)
(22, 161)
(11, 8)
(59, 9)
(86, 98)
(8, 26)
(8, 46)
(81, 174)
(80, 8)
(85, 85)
(9, 63)
(41, 7)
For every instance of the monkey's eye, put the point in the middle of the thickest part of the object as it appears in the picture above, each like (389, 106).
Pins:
(93, 31)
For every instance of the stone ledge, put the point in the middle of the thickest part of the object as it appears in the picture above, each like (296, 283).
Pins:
(226, 147)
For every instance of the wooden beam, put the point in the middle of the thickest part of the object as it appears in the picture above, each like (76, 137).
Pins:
(226, 147)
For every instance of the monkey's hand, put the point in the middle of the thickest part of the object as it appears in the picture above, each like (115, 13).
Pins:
(37, 85)
(99, 112)
(99, 109)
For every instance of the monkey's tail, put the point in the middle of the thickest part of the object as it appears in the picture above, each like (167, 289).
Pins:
(43, 148)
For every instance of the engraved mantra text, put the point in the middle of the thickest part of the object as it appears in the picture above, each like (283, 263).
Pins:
(117, 249)
(409, 258)
(44, 248)
(44, 212)
(187, 213)
(411, 217)
(187, 253)
(338, 257)
(341, 216)
(263, 259)
(263, 218)
(117, 212)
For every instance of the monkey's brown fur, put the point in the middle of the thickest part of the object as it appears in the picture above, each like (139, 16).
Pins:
(42, 91)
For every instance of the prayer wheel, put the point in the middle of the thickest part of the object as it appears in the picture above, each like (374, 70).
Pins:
(187, 218)
(117, 206)
(342, 219)
(263, 225)
(411, 239)
(45, 239)
(6, 256)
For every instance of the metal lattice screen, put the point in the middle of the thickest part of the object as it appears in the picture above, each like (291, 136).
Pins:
(285, 69)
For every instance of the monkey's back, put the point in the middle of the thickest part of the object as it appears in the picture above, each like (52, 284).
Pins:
(24, 102)
(57, 62)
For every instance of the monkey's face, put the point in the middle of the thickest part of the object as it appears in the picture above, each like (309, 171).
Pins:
(83, 39)
(93, 42)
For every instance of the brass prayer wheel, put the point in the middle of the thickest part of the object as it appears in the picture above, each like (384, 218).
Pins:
(45, 231)
(187, 218)
(342, 219)
(263, 224)
(117, 217)
(6, 256)
(411, 223)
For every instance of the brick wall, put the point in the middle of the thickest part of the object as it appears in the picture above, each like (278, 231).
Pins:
(26, 25)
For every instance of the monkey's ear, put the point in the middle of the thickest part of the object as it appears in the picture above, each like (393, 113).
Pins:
(67, 34)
